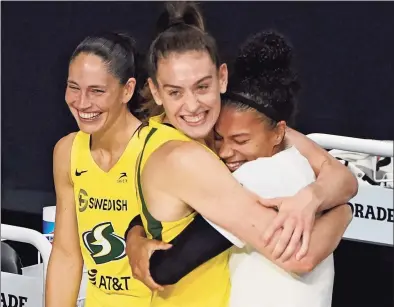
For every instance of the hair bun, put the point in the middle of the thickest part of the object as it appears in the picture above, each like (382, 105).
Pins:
(263, 53)
(180, 12)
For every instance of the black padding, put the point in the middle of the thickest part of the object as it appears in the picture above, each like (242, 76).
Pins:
(10, 261)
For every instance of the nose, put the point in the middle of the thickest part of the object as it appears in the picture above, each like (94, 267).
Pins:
(225, 151)
(191, 103)
(82, 101)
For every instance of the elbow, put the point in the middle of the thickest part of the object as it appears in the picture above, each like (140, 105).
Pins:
(60, 257)
(163, 272)
(353, 186)
(304, 266)
(348, 214)
(351, 182)
(163, 278)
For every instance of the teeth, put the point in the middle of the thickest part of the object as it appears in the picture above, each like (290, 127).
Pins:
(233, 164)
(194, 119)
(90, 115)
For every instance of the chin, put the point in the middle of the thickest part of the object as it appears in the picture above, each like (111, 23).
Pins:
(197, 134)
(89, 128)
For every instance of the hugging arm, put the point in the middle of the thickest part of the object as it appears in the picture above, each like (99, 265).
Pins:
(200, 242)
(335, 184)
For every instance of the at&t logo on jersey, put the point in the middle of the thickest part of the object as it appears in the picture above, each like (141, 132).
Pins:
(109, 283)
(95, 203)
(103, 244)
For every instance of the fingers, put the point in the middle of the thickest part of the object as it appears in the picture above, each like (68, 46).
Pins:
(140, 261)
(147, 280)
(151, 284)
(141, 272)
(284, 239)
(293, 244)
(275, 225)
(306, 237)
(270, 202)
(162, 246)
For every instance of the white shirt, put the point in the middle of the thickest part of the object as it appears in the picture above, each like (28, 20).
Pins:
(257, 282)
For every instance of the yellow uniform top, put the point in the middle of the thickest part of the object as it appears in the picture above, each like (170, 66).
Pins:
(105, 204)
(209, 284)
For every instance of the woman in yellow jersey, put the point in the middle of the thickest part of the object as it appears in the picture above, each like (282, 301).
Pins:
(250, 139)
(177, 176)
(94, 174)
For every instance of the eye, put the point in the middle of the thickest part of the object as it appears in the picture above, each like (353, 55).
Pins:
(241, 142)
(174, 93)
(202, 87)
(98, 91)
(217, 137)
(73, 87)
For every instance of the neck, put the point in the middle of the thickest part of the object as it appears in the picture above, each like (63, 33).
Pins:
(117, 134)
(207, 141)
(278, 148)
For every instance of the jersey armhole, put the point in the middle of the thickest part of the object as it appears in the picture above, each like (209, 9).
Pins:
(72, 158)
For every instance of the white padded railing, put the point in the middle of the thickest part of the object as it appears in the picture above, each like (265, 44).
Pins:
(367, 146)
(29, 236)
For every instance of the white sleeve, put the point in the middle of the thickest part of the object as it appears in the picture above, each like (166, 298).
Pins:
(229, 236)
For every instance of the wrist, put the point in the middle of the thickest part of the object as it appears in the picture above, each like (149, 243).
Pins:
(312, 193)
(136, 232)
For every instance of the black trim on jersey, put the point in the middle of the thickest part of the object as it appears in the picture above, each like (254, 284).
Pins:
(155, 227)
(169, 125)
(136, 221)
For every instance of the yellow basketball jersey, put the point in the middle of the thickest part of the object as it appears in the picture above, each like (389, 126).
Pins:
(209, 284)
(105, 204)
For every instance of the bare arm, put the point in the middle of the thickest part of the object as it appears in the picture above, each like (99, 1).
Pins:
(65, 263)
(199, 179)
(326, 235)
(335, 184)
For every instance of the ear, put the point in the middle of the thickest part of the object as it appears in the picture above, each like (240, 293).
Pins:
(280, 132)
(223, 78)
(128, 90)
(154, 91)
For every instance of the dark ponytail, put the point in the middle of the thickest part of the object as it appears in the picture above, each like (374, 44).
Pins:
(264, 78)
(118, 52)
(180, 28)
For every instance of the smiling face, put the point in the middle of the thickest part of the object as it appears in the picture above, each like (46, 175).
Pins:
(188, 87)
(95, 97)
(245, 135)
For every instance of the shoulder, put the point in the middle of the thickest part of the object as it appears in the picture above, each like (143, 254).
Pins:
(185, 154)
(62, 150)
(286, 167)
(179, 158)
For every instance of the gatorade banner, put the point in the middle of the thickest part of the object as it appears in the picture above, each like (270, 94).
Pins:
(373, 215)
(21, 291)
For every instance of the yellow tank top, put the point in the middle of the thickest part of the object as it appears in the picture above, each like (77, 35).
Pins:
(209, 284)
(105, 204)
